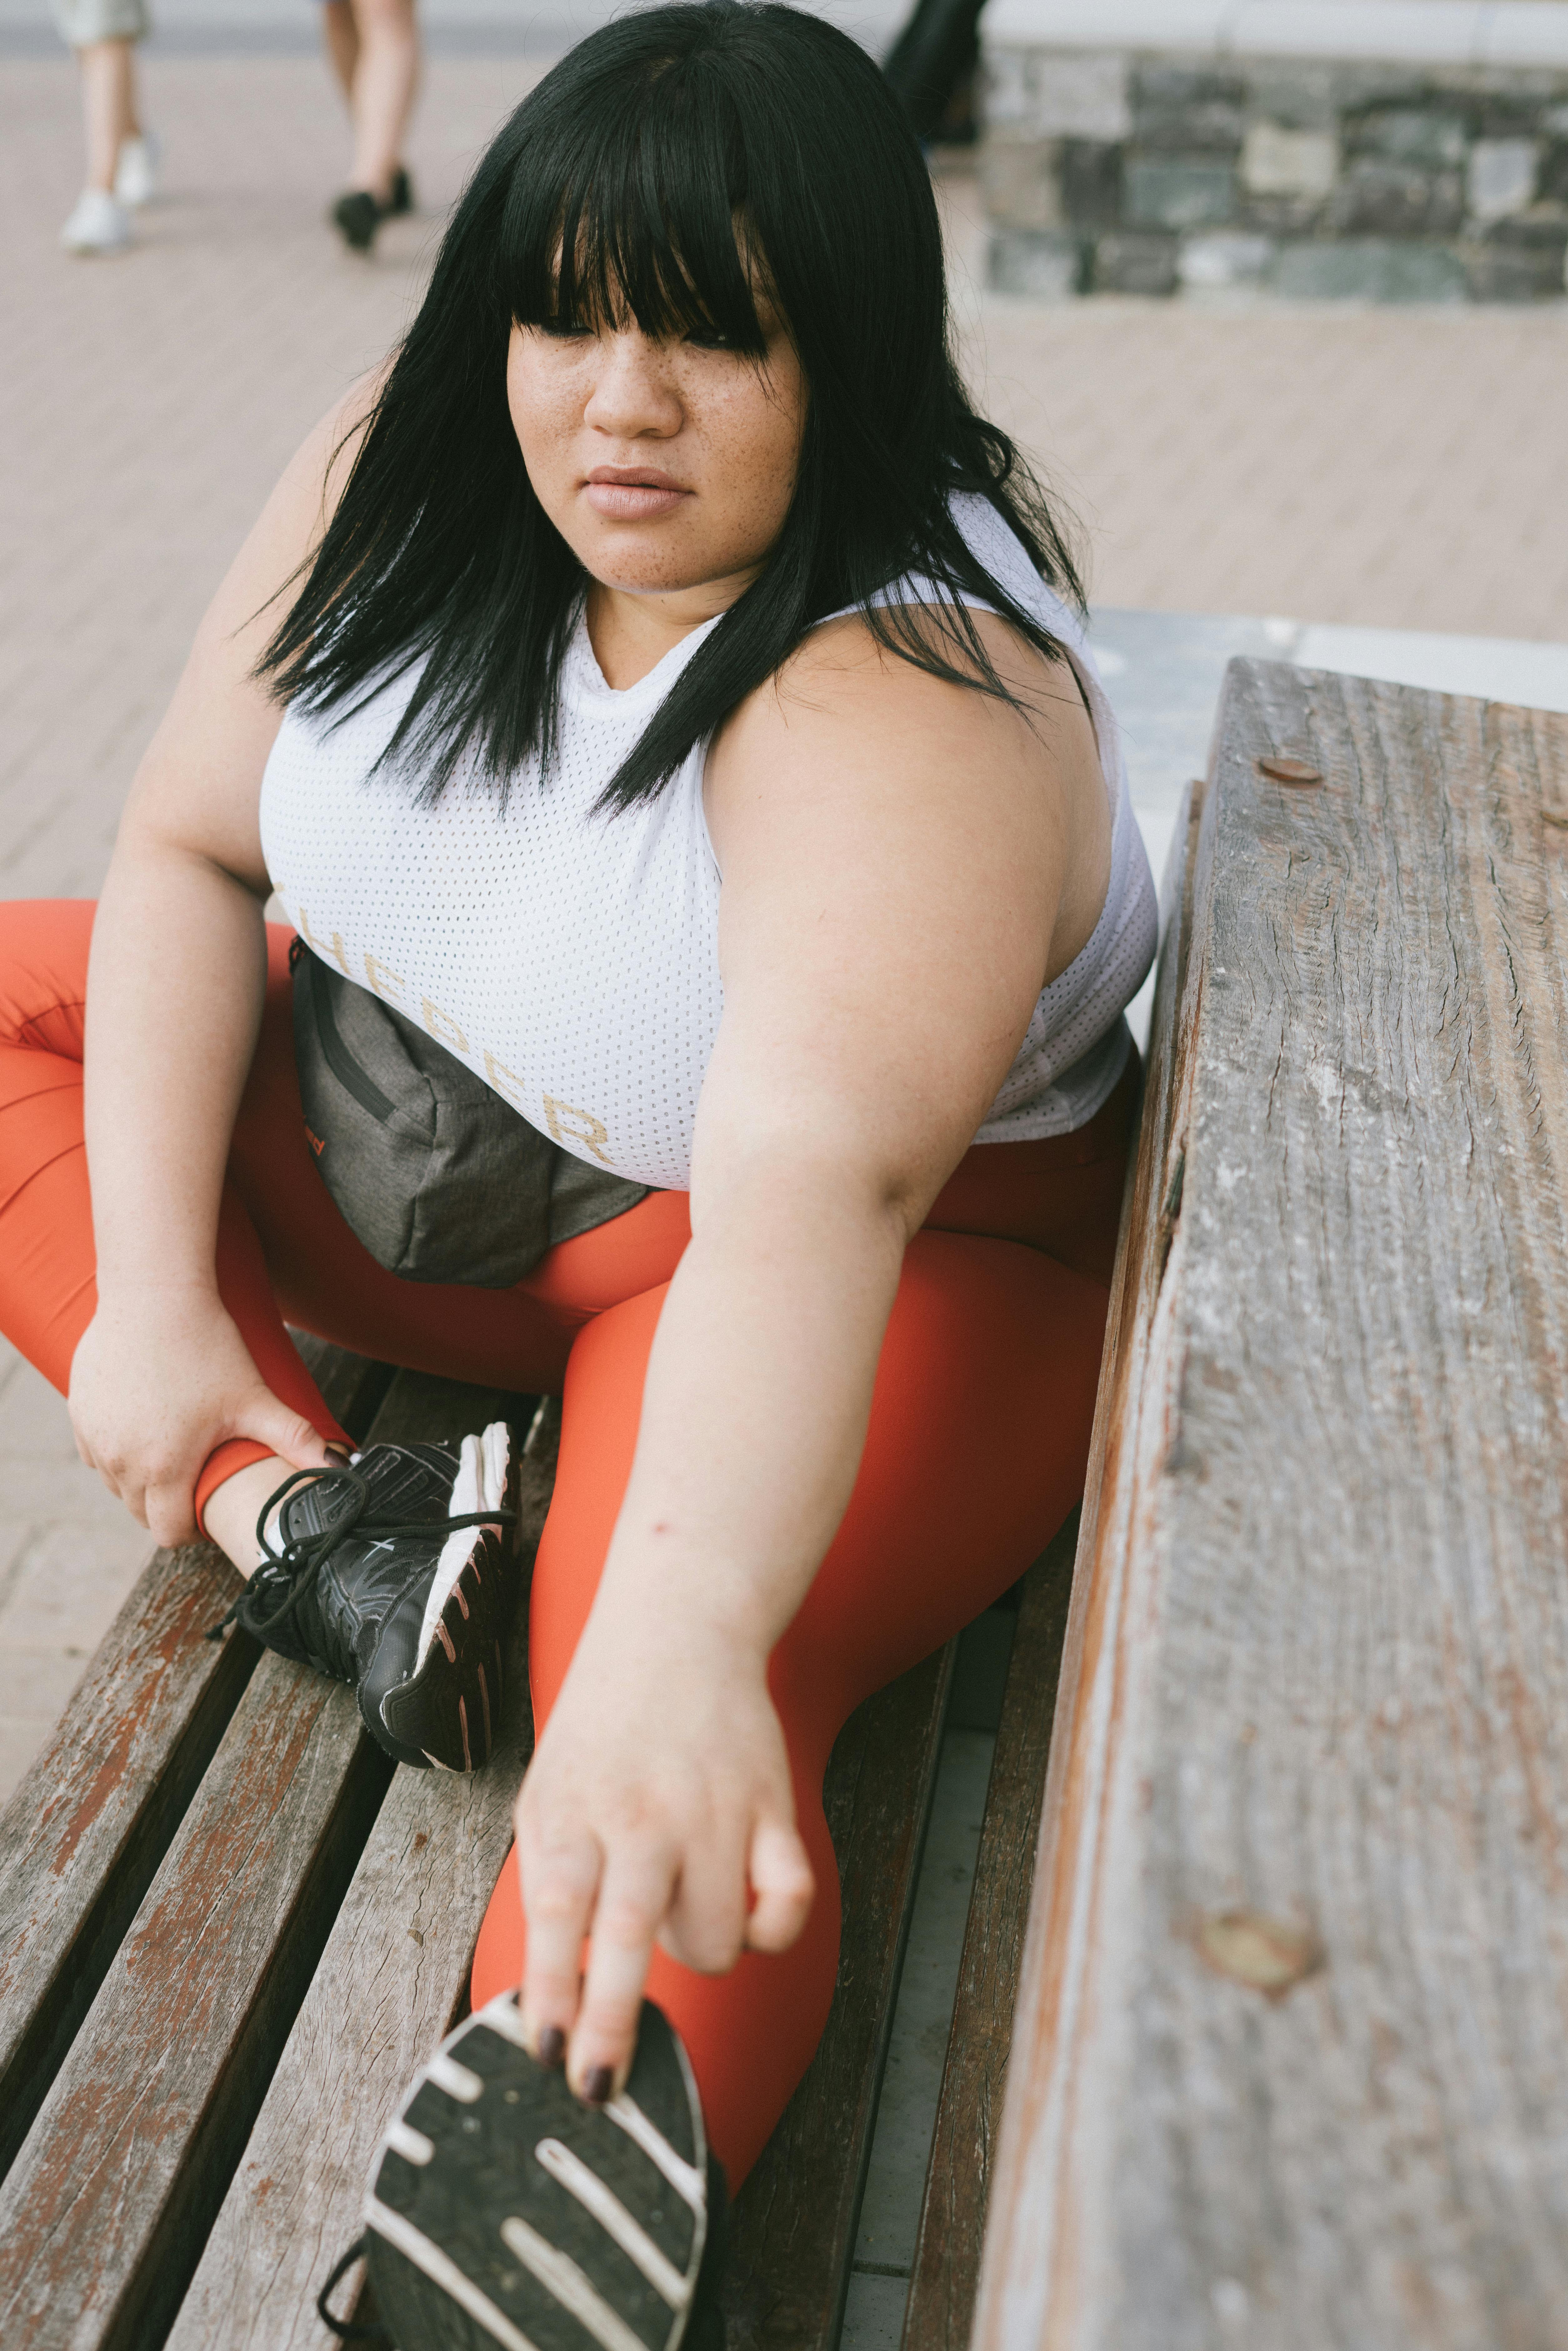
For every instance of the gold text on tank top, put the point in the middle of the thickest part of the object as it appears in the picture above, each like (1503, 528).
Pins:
(574, 1129)
(591, 1135)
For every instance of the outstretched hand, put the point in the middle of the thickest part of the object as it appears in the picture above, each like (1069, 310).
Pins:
(162, 1378)
(658, 1809)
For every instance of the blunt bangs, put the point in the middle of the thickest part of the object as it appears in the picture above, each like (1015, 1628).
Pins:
(634, 199)
(683, 163)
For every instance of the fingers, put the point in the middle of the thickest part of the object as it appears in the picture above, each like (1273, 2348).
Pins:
(782, 1883)
(167, 1514)
(559, 1883)
(633, 1900)
(705, 1928)
(289, 1434)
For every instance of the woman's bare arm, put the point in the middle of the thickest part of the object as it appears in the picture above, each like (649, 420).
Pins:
(905, 864)
(175, 999)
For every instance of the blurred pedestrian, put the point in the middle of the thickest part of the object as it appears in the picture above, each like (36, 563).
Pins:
(121, 157)
(374, 49)
(931, 67)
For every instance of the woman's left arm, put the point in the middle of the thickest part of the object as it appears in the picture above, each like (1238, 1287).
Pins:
(901, 859)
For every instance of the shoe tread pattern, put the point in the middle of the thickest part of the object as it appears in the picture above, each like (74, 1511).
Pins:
(485, 2170)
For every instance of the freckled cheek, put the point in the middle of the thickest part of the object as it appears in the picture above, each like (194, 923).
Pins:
(547, 429)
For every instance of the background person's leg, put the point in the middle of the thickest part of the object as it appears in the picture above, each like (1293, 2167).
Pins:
(340, 39)
(976, 1450)
(386, 76)
(108, 107)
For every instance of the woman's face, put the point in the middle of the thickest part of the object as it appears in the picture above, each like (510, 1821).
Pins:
(667, 466)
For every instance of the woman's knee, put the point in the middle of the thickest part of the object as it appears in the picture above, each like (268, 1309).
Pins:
(44, 946)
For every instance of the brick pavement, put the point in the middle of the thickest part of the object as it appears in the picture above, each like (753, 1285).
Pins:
(1399, 468)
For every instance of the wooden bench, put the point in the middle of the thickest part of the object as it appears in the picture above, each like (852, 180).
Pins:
(230, 1930)
(1290, 2063)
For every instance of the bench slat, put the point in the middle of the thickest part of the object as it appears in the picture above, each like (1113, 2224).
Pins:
(940, 2310)
(83, 1834)
(393, 1980)
(795, 2219)
(105, 2209)
(1291, 2062)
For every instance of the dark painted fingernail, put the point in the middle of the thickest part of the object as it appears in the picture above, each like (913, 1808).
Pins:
(552, 2047)
(599, 2084)
(339, 1453)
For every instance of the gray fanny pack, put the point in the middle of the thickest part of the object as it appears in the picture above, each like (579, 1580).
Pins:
(441, 1179)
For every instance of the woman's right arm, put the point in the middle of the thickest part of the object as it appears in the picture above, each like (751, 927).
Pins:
(176, 979)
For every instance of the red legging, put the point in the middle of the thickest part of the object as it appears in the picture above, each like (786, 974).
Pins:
(979, 1435)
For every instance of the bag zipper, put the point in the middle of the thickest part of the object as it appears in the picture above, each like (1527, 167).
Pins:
(340, 1060)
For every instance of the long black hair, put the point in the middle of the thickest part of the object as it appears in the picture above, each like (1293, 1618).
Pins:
(618, 184)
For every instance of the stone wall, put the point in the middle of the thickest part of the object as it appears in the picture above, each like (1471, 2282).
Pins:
(1149, 172)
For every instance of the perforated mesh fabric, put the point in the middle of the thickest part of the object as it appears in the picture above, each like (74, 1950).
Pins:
(571, 960)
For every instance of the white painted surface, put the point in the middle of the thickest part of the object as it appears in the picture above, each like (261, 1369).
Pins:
(1424, 32)
(1497, 669)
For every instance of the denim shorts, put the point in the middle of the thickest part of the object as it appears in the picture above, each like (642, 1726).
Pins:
(83, 22)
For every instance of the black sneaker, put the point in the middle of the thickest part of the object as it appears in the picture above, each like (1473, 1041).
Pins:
(504, 2211)
(359, 216)
(400, 198)
(393, 1575)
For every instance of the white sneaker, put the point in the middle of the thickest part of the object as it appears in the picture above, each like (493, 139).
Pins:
(136, 175)
(99, 224)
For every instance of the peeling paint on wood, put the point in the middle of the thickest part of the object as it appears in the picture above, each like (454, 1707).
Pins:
(82, 1835)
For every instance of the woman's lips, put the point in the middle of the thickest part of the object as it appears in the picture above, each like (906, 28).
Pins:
(633, 496)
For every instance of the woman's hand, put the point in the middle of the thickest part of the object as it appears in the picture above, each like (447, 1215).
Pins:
(161, 1378)
(658, 1808)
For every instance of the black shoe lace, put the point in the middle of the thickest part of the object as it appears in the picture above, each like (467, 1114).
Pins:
(349, 2330)
(301, 1558)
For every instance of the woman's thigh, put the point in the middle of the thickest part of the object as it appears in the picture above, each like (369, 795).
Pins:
(975, 1452)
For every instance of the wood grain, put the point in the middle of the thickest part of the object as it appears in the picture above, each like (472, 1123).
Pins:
(392, 1980)
(1322, 1628)
(83, 1834)
(941, 2305)
(794, 2222)
(106, 2212)
(108, 2205)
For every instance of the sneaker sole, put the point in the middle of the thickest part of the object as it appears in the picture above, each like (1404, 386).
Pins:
(504, 2211)
(448, 1714)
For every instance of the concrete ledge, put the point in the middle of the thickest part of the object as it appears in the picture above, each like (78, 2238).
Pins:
(1498, 32)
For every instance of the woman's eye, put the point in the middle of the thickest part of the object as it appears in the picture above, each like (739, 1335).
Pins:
(710, 339)
(562, 330)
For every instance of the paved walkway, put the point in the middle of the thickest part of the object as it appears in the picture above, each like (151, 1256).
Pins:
(1404, 469)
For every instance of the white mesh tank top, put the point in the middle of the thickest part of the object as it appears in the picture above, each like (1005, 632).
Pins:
(571, 959)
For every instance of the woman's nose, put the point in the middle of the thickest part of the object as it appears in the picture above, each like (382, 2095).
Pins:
(634, 392)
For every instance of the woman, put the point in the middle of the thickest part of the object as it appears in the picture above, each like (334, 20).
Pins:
(659, 704)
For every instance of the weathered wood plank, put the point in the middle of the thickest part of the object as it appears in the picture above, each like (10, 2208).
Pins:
(108, 2205)
(1296, 1980)
(941, 2305)
(82, 1836)
(86, 1830)
(392, 1980)
(794, 2222)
